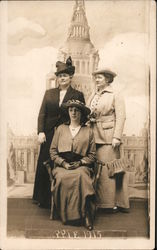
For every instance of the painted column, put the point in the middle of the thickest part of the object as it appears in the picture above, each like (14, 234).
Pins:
(25, 160)
(16, 159)
(81, 67)
(78, 67)
(76, 31)
(91, 64)
(31, 169)
(80, 31)
(96, 62)
(86, 67)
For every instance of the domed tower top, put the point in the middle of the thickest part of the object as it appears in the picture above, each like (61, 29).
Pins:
(79, 28)
(78, 45)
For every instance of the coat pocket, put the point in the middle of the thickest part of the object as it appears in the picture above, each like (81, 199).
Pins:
(107, 125)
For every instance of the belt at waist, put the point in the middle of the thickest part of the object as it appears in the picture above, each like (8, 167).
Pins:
(106, 118)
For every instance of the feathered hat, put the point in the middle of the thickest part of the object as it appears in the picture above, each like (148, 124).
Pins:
(67, 67)
(78, 104)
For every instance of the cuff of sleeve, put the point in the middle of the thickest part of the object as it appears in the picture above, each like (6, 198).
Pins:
(80, 163)
(40, 131)
(83, 162)
(59, 161)
(117, 138)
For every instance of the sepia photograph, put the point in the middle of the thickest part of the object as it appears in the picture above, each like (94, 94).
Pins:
(78, 122)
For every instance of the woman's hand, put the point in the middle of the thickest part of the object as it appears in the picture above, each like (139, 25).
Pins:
(72, 165)
(66, 165)
(75, 164)
(115, 142)
(91, 122)
(41, 137)
(92, 118)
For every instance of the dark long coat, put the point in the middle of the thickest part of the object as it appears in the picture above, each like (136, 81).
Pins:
(50, 116)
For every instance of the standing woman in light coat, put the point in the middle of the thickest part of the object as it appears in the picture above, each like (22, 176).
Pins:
(107, 119)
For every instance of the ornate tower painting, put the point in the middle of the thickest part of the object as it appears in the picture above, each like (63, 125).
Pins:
(79, 46)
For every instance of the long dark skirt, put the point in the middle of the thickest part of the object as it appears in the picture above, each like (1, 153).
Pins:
(70, 192)
(111, 191)
(42, 185)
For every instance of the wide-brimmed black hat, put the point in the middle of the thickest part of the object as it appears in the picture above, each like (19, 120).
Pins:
(78, 104)
(67, 67)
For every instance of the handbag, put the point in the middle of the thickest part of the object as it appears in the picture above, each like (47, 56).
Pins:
(70, 156)
(116, 167)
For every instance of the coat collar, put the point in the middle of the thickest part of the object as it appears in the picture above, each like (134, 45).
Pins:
(108, 89)
(56, 92)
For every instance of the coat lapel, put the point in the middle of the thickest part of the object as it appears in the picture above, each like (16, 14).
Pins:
(69, 94)
(55, 96)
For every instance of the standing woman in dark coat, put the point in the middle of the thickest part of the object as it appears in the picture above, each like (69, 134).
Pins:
(51, 115)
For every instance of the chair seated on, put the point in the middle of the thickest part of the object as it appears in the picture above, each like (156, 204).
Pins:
(49, 166)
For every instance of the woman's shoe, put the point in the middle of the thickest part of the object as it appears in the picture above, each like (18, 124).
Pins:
(123, 210)
(88, 222)
(40, 205)
(115, 210)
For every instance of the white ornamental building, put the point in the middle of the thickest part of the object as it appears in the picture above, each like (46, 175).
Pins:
(83, 53)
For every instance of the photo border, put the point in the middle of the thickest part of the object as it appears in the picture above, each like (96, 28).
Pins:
(18, 243)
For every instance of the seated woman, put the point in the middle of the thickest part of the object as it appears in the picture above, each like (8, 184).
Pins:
(73, 152)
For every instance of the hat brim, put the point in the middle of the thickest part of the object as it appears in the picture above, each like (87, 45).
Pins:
(84, 109)
(70, 71)
(104, 72)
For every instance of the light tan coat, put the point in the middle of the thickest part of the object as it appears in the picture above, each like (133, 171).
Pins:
(110, 115)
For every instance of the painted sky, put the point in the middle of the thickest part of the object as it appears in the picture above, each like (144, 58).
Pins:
(36, 30)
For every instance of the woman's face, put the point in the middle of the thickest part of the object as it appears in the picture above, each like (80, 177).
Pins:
(75, 114)
(100, 80)
(64, 80)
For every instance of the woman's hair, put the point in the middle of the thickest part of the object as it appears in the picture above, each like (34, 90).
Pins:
(83, 119)
(109, 77)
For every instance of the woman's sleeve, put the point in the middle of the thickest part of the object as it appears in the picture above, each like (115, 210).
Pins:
(42, 115)
(54, 148)
(120, 116)
(91, 152)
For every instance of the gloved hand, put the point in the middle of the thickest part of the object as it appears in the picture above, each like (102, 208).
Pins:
(75, 164)
(41, 137)
(66, 165)
(115, 142)
(92, 117)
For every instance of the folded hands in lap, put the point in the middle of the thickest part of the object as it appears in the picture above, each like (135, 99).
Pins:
(72, 165)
